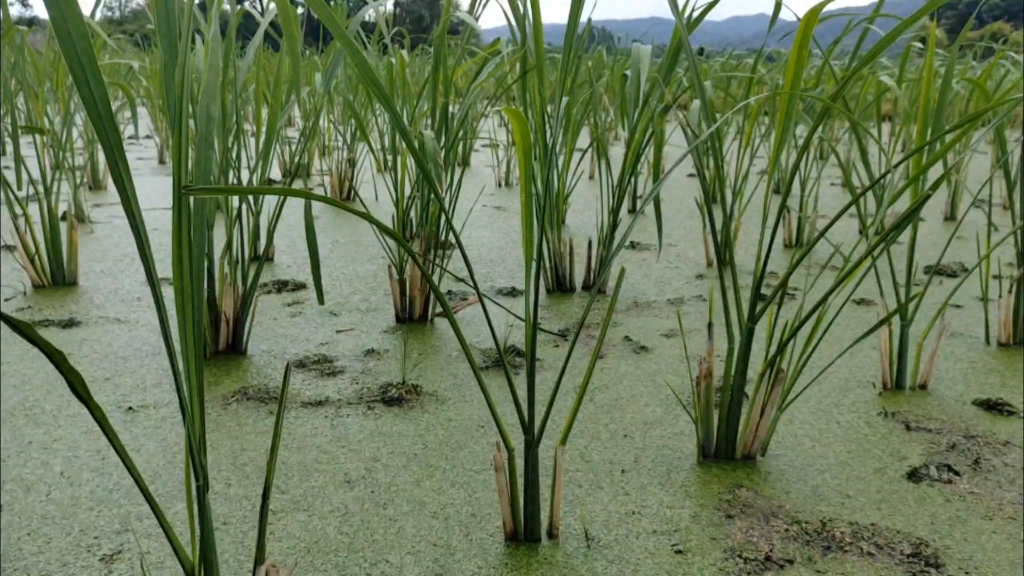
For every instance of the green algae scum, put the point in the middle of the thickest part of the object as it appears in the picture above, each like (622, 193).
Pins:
(308, 289)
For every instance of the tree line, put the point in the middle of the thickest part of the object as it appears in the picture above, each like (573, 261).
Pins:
(408, 23)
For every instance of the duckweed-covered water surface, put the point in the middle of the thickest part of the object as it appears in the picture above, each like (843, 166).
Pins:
(711, 432)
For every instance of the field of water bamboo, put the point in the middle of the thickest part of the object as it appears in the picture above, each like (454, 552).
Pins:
(344, 309)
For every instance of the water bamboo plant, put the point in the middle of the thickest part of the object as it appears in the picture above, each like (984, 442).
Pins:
(556, 109)
(792, 334)
(45, 215)
(934, 93)
(521, 508)
(645, 102)
(173, 24)
(443, 96)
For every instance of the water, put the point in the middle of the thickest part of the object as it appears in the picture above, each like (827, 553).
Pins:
(364, 489)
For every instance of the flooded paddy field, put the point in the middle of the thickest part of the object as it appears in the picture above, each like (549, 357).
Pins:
(385, 464)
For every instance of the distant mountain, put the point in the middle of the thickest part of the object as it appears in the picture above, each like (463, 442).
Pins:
(737, 32)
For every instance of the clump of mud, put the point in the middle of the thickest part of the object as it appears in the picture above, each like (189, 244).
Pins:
(640, 246)
(280, 286)
(268, 396)
(508, 291)
(969, 461)
(321, 402)
(457, 296)
(320, 364)
(947, 269)
(255, 395)
(997, 406)
(61, 323)
(678, 301)
(490, 358)
(635, 346)
(768, 538)
(942, 472)
(396, 393)
(790, 294)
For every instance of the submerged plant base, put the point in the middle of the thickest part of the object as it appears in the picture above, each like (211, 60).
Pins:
(1010, 316)
(257, 253)
(341, 180)
(96, 180)
(768, 538)
(559, 272)
(228, 328)
(410, 296)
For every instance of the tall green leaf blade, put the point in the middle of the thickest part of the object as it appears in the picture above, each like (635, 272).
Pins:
(78, 387)
(799, 55)
(69, 28)
(268, 478)
(524, 153)
(313, 247)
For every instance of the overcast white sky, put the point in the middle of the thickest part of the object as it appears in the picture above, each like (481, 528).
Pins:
(557, 10)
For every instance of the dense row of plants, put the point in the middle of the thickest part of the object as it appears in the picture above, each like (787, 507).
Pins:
(246, 130)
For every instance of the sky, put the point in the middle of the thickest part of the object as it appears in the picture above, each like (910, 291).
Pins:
(558, 10)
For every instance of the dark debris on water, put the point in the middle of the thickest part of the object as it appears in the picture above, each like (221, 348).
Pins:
(320, 364)
(268, 396)
(508, 291)
(256, 395)
(280, 286)
(638, 246)
(457, 296)
(941, 472)
(635, 346)
(947, 269)
(997, 406)
(514, 355)
(396, 393)
(985, 466)
(61, 323)
(768, 538)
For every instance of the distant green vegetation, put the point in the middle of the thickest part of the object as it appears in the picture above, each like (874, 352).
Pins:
(993, 23)
(1005, 14)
